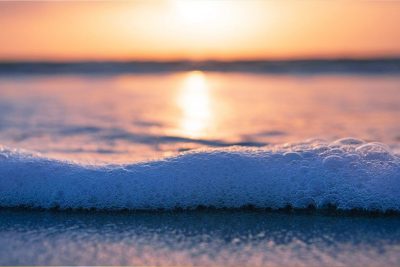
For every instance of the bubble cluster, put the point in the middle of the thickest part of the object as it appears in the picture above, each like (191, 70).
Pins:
(347, 174)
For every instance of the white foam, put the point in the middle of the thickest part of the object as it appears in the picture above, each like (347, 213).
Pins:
(347, 173)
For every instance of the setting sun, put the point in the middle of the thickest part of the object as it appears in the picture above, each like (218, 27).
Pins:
(195, 13)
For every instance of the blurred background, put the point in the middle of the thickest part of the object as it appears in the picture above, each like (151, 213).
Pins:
(198, 30)
(131, 81)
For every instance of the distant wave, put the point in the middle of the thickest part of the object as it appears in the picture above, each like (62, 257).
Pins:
(306, 66)
(346, 174)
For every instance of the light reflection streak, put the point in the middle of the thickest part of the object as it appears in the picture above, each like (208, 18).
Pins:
(194, 100)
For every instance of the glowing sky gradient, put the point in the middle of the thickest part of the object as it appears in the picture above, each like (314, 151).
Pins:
(164, 30)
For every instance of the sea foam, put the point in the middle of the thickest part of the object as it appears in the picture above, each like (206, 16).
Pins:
(347, 174)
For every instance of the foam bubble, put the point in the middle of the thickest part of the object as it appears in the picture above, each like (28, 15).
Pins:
(347, 141)
(375, 151)
(350, 175)
(292, 156)
(333, 162)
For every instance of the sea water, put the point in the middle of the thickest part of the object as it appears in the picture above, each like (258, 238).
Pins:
(223, 238)
(100, 164)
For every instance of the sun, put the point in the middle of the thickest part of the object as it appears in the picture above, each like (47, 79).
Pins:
(195, 12)
(206, 16)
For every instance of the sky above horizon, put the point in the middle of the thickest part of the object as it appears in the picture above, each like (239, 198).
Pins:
(198, 30)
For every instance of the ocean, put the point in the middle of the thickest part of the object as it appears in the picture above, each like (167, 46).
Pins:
(258, 163)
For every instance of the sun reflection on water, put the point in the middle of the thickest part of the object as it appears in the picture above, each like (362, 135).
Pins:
(194, 100)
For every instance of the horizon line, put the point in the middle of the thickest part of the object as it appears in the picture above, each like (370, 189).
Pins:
(183, 60)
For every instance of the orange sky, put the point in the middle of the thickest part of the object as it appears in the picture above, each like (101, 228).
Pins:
(163, 30)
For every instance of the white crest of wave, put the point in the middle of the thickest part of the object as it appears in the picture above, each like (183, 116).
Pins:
(348, 173)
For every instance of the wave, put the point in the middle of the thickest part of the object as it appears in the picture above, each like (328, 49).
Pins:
(346, 174)
(301, 66)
